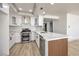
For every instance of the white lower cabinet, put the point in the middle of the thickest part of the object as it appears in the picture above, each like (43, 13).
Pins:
(12, 41)
(15, 38)
(37, 39)
(32, 36)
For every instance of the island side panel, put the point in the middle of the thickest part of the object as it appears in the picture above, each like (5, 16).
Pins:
(46, 48)
(58, 47)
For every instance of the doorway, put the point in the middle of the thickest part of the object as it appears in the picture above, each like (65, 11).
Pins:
(48, 25)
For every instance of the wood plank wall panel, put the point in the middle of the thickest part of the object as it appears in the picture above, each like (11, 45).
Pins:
(58, 47)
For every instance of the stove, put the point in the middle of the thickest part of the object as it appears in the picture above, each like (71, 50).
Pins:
(25, 34)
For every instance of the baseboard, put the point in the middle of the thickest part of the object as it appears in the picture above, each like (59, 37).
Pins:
(73, 38)
(12, 46)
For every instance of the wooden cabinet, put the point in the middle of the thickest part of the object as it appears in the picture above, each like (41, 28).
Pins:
(54, 47)
(58, 47)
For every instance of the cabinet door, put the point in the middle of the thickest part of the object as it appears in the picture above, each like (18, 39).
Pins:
(40, 21)
(58, 47)
(36, 22)
(14, 20)
(17, 37)
(32, 21)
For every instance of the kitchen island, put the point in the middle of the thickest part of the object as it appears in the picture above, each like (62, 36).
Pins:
(53, 44)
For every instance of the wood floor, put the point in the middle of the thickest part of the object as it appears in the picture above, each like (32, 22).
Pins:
(31, 49)
(73, 48)
(25, 49)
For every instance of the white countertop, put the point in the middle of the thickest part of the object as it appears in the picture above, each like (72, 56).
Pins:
(51, 36)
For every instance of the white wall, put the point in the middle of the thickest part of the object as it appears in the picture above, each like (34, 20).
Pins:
(67, 24)
(60, 25)
(4, 34)
(73, 26)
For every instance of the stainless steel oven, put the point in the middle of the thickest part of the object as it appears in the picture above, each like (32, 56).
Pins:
(25, 34)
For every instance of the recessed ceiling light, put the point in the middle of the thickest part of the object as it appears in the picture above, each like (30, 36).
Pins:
(51, 3)
(44, 12)
(30, 10)
(20, 8)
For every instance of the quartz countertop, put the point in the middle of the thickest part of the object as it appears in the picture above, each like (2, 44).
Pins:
(51, 36)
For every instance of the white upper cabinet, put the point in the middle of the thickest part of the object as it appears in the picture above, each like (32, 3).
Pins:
(14, 19)
(40, 20)
(32, 21)
(26, 20)
(37, 21)
(18, 20)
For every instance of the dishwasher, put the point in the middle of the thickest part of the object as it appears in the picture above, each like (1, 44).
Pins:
(42, 46)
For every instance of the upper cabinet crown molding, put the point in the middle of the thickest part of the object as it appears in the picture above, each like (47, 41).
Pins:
(51, 16)
(26, 14)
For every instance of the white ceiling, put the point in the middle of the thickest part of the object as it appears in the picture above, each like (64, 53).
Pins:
(48, 8)
(25, 6)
